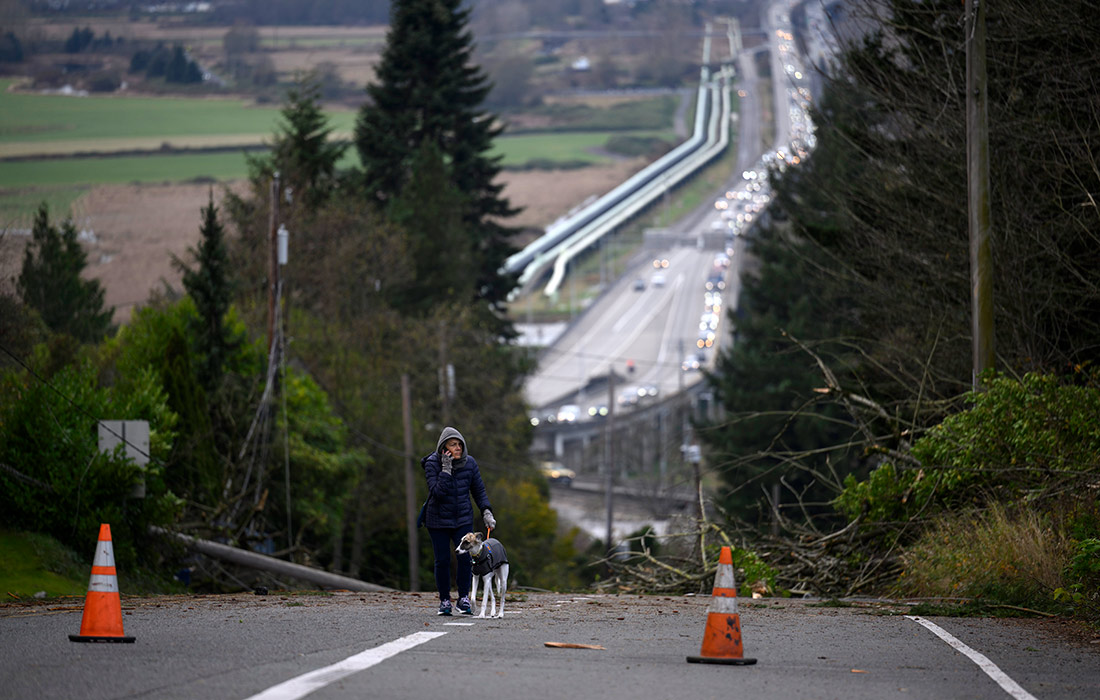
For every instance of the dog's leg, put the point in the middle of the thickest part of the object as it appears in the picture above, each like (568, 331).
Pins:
(473, 590)
(488, 584)
(486, 590)
(502, 574)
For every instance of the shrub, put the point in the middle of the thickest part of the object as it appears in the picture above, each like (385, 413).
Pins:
(55, 480)
(1027, 440)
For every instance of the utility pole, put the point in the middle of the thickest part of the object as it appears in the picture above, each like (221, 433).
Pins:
(272, 259)
(410, 486)
(977, 179)
(446, 376)
(609, 451)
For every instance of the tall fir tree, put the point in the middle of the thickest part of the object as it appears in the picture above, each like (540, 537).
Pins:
(428, 90)
(210, 286)
(303, 152)
(50, 282)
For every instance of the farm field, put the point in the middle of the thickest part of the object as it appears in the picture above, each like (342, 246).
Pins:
(132, 230)
(134, 171)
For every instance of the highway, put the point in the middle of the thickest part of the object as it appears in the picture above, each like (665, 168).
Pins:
(643, 330)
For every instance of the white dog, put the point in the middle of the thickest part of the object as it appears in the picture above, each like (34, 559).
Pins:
(491, 566)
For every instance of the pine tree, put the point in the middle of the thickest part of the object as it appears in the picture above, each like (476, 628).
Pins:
(441, 252)
(303, 153)
(210, 287)
(428, 91)
(50, 282)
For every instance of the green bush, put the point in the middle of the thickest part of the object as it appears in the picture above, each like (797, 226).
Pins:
(55, 480)
(1024, 440)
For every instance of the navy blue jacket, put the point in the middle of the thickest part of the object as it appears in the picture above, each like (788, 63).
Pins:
(449, 494)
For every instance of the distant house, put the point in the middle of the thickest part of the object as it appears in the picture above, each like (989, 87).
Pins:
(582, 64)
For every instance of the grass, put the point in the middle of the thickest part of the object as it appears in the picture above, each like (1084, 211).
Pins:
(43, 118)
(119, 170)
(516, 151)
(32, 563)
(997, 557)
(36, 123)
(17, 209)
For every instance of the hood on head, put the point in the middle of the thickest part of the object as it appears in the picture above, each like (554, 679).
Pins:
(446, 435)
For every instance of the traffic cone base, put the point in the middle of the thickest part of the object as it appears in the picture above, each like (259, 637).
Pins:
(722, 636)
(102, 621)
(722, 642)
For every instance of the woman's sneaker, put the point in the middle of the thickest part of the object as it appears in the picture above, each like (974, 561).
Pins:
(444, 608)
(464, 606)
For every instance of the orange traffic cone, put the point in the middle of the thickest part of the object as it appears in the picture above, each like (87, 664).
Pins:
(722, 636)
(102, 607)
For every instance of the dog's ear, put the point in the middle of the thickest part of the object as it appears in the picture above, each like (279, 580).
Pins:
(479, 537)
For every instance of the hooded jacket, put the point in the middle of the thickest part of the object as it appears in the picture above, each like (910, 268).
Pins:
(449, 494)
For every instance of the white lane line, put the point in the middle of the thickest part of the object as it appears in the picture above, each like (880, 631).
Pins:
(458, 624)
(308, 682)
(991, 669)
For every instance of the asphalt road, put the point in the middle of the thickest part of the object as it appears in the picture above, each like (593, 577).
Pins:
(392, 645)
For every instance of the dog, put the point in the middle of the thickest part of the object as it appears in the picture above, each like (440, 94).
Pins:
(490, 564)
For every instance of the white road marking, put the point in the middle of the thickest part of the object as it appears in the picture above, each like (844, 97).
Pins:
(308, 682)
(459, 624)
(991, 669)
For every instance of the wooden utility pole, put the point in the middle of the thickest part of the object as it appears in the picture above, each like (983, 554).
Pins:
(410, 486)
(272, 259)
(444, 378)
(977, 178)
(609, 451)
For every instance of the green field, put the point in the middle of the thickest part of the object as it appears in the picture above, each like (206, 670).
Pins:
(119, 170)
(73, 124)
(562, 147)
(43, 118)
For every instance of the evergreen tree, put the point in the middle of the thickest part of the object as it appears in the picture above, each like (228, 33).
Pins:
(428, 91)
(441, 252)
(50, 282)
(11, 49)
(304, 153)
(210, 287)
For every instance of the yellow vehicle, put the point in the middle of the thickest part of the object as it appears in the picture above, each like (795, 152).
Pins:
(558, 473)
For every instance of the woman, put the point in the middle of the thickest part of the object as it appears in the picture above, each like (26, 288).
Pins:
(453, 477)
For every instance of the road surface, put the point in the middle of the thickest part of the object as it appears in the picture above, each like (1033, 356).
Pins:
(392, 645)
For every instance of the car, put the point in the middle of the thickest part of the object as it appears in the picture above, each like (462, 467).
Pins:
(598, 410)
(658, 280)
(628, 396)
(557, 473)
(639, 285)
(660, 263)
(691, 363)
(569, 413)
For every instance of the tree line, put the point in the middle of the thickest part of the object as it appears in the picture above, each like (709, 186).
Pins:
(285, 434)
(852, 416)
